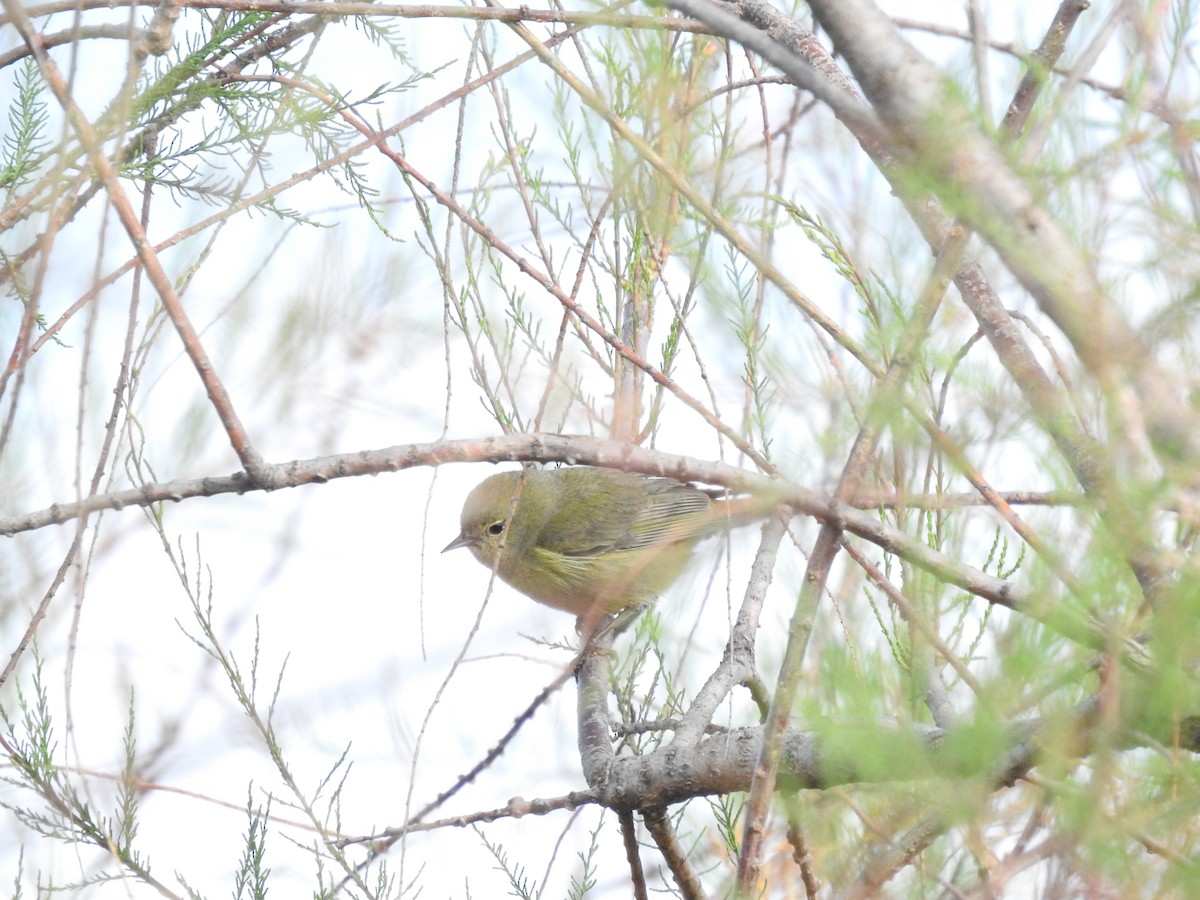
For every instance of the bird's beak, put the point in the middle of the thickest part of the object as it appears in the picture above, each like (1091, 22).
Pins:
(461, 541)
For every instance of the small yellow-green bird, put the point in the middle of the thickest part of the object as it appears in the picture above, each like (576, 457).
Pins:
(586, 540)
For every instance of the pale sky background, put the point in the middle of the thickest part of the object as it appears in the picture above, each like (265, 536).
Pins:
(343, 581)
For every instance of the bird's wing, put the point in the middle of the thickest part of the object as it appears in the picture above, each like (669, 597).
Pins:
(665, 511)
(672, 512)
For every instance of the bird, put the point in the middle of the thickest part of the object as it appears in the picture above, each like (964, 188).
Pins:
(587, 540)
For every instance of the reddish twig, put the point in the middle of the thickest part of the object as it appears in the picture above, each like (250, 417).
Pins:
(250, 459)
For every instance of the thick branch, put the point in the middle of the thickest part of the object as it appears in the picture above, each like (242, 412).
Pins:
(840, 754)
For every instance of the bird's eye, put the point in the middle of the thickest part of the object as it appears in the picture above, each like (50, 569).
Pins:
(496, 528)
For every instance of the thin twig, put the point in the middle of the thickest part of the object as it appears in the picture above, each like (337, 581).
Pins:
(516, 808)
(218, 396)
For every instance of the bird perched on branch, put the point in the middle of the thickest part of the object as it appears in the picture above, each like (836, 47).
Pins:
(587, 540)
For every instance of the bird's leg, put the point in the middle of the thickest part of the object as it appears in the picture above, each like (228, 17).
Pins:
(611, 627)
(601, 640)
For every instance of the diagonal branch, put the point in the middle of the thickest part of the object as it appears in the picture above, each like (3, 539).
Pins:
(251, 460)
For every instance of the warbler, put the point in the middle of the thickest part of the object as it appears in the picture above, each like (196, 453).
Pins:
(586, 540)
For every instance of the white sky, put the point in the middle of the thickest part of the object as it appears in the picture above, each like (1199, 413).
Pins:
(334, 576)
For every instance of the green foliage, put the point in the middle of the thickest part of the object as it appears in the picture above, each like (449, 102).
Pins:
(727, 813)
(620, 228)
(644, 689)
(126, 825)
(587, 877)
(25, 140)
(59, 809)
(518, 881)
(33, 744)
(250, 880)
